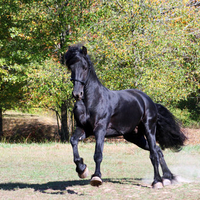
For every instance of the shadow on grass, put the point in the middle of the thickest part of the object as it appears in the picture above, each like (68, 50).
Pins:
(57, 187)
(128, 181)
(60, 187)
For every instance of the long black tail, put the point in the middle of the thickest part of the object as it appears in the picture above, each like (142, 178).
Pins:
(169, 133)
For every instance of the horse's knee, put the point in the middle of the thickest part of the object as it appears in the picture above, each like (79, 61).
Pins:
(159, 151)
(73, 141)
(78, 135)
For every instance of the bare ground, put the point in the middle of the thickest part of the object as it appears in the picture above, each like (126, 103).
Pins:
(46, 126)
(193, 136)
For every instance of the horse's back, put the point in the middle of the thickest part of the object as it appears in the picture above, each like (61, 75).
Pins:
(130, 107)
(133, 98)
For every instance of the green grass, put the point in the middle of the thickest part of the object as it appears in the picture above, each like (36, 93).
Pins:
(188, 118)
(47, 171)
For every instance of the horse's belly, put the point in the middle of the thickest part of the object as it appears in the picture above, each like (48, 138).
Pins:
(112, 133)
(124, 128)
(125, 122)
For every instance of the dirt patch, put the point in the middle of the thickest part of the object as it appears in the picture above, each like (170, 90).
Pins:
(193, 136)
(19, 127)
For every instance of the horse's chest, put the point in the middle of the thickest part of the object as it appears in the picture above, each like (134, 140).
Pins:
(91, 117)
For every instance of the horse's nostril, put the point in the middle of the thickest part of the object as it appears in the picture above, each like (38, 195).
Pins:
(78, 95)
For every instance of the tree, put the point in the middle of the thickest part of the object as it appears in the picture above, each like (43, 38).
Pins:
(32, 31)
(12, 81)
(149, 45)
(49, 87)
(65, 17)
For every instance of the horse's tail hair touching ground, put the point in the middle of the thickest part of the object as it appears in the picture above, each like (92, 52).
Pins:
(169, 133)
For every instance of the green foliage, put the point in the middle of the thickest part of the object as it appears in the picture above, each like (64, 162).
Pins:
(149, 45)
(188, 111)
(12, 80)
(48, 85)
(30, 33)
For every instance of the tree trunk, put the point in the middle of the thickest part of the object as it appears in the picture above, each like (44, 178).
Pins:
(1, 122)
(64, 127)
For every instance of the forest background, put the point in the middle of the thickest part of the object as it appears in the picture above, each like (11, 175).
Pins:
(150, 45)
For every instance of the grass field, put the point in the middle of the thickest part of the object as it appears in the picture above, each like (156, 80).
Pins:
(47, 171)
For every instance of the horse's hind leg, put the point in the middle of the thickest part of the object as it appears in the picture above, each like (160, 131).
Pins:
(150, 132)
(167, 177)
(141, 142)
(81, 168)
(139, 139)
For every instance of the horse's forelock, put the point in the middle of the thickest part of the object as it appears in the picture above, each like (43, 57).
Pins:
(75, 48)
(73, 54)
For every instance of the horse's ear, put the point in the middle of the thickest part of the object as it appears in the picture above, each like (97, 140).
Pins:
(84, 50)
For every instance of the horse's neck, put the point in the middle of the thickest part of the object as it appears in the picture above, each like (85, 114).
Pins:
(92, 89)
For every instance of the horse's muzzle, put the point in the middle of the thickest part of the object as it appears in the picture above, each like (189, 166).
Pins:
(77, 95)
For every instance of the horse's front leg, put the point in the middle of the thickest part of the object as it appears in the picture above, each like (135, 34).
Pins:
(81, 168)
(100, 133)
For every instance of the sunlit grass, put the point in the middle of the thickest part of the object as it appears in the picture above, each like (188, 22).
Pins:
(47, 171)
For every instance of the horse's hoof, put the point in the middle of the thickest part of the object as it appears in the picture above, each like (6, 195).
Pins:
(84, 174)
(96, 181)
(157, 185)
(166, 182)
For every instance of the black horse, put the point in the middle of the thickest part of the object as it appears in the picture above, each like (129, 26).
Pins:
(103, 113)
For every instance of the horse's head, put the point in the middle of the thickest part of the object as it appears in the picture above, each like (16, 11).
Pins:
(77, 62)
